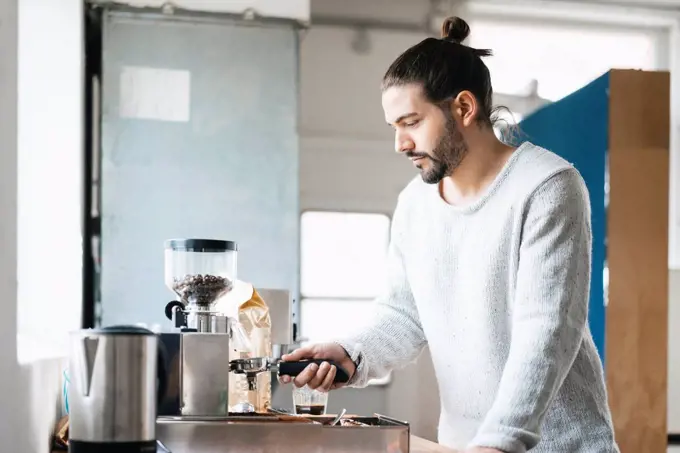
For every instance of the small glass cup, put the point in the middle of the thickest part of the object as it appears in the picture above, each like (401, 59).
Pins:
(309, 402)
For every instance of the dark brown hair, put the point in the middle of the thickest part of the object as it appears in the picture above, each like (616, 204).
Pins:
(445, 67)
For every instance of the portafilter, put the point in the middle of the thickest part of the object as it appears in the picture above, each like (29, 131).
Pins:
(251, 367)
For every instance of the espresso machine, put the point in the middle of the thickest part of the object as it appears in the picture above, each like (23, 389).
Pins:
(194, 415)
(199, 272)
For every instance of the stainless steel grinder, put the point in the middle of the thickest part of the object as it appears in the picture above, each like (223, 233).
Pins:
(199, 272)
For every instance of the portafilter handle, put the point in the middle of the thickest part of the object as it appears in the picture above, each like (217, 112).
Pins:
(294, 368)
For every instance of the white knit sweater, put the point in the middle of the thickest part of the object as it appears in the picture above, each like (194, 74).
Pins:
(499, 291)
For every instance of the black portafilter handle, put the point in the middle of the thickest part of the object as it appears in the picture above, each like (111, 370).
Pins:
(292, 369)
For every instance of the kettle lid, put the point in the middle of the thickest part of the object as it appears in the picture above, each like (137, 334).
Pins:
(122, 330)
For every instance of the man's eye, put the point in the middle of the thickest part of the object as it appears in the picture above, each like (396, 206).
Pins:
(411, 124)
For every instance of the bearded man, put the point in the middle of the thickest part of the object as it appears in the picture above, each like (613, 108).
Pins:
(489, 264)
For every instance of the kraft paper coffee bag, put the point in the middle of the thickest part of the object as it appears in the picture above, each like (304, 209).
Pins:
(244, 304)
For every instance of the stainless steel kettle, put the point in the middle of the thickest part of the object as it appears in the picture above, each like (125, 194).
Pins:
(118, 374)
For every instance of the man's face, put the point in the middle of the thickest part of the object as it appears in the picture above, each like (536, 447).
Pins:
(424, 132)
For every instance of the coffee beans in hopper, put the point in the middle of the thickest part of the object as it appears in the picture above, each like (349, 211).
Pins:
(201, 289)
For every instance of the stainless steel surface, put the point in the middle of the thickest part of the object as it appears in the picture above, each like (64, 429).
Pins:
(251, 365)
(255, 365)
(244, 407)
(171, 402)
(204, 374)
(207, 321)
(112, 395)
(278, 350)
(280, 304)
(251, 434)
(161, 448)
(219, 324)
(251, 368)
(199, 320)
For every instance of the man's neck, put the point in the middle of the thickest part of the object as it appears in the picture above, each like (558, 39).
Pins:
(484, 160)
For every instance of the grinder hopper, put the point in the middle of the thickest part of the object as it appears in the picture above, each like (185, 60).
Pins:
(199, 272)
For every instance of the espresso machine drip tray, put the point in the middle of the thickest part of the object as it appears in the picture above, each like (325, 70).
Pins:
(251, 433)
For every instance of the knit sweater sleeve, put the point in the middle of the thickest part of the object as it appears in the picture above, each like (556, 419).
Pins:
(394, 336)
(549, 312)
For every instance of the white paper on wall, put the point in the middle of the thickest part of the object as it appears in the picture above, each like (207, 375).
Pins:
(155, 94)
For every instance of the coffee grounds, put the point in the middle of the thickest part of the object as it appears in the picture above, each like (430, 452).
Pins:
(201, 289)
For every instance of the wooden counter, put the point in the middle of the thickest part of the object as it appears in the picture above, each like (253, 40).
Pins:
(420, 445)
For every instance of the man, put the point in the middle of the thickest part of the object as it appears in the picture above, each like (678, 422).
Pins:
(489, 264)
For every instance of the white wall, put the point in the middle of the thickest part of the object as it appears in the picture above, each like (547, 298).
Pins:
(9, 371)
(51, 139)
(674, 352)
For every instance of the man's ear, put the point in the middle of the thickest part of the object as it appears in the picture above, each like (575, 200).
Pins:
(465, 108)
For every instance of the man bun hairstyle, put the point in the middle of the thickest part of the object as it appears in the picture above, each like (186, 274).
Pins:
(455, 29)
(445, 67)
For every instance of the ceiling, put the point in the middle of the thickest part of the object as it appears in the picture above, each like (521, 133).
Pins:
(416, 11)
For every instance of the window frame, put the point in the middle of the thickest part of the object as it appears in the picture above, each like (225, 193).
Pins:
(385, 381)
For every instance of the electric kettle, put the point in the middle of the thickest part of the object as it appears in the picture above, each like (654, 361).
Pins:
(118, 374)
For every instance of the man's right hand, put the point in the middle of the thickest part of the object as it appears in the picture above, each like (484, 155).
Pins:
(319, 377)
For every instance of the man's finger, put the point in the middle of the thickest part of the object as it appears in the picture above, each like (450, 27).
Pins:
(307, 374)
(328, 381)
(318, 379)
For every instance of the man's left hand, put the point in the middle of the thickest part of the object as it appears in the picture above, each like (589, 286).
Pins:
(482, 450)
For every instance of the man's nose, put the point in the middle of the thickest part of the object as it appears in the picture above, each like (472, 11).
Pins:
(403, 143)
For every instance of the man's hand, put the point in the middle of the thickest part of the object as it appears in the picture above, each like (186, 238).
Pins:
(319, 377)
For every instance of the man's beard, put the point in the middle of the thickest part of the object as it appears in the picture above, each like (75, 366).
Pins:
(446, 156)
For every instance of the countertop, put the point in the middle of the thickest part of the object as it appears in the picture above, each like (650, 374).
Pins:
(420, 445)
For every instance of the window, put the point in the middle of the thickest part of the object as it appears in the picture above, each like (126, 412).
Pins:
(561, 57)
(49, 179)
(342, 269)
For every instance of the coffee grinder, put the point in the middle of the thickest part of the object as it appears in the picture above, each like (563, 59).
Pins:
(199, 272)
